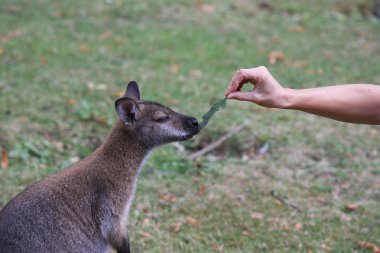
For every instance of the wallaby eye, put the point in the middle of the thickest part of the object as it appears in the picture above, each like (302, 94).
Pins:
(160, 116)
(162, 119)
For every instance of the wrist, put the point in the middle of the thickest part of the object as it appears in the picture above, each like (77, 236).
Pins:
(287, 99)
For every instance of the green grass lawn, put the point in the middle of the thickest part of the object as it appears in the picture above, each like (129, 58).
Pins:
(63, 63)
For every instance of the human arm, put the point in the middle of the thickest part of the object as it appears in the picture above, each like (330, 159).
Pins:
(353, 103)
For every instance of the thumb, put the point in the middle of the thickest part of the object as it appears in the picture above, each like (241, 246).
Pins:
(243, 96)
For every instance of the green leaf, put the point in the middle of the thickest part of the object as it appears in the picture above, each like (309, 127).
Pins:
(206, 118)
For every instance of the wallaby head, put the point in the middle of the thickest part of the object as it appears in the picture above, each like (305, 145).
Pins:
(152, 123)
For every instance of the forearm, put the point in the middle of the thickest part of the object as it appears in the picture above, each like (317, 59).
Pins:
(353, 103)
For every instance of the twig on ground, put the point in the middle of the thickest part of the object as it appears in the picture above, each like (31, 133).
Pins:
(219, 141)
(284, 201)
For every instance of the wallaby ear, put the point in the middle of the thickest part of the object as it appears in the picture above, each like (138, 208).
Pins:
(127, 109)
(132, 91)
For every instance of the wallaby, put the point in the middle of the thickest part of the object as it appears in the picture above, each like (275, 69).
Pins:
(84, 208)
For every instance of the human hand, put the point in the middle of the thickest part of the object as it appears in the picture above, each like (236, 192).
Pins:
(267, 91)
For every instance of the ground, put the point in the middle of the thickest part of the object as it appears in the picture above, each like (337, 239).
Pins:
(288, 182)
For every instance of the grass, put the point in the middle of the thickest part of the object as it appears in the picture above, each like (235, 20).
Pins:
(62, 64)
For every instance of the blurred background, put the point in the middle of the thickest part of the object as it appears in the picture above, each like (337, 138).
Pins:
(287, 182)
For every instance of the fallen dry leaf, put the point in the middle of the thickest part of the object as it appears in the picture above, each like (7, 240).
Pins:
(168, 198)
(105, 35)
(325, 246)
(251, 152)
(58, 14)
(93, 86)
(321, 200)
(10, 35)
(218, 248)
(192, 221)
(23, 119)
(257, 216)
(206, 8)
(4, 158)
(278, 202)
(172, 101)
(298, 226)
(246, 232)
(318, 71)
(59, 145)
(298, 64)
(71, 101)
(276, 56)
(146, 234)
(100, 119)
(118, 94)
(369, 245)
(1, 50)
(16, 33)
(328, 54)
(43, 60)
(344, 217)
(195, 73)
(174, 69)
(376, 185)
(13, 8)
(351, 207)
(84, 48)
(296, 28)
(285, 227)
(175, 227)
(201, 190)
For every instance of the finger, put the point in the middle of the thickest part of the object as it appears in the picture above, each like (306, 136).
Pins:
(236, 83)
(244, 76)
(243, 96)
(254, 74)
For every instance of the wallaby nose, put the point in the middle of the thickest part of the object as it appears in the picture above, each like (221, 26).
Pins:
(193, 121)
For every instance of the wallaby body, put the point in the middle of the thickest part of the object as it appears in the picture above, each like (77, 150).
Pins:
(85, 207)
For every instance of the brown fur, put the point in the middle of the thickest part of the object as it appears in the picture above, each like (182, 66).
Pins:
(85, 207)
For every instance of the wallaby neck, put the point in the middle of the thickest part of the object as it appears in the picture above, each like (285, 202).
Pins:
(122, 151)
(117, 163)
